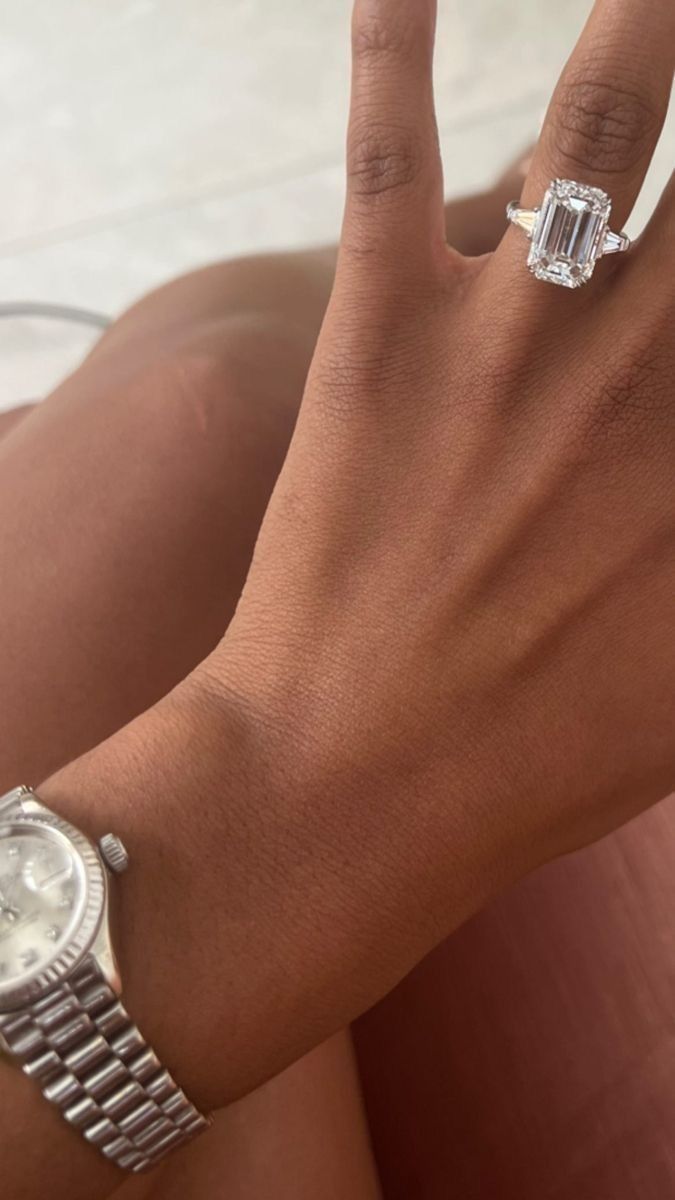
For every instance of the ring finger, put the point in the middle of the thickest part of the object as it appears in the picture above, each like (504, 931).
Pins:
(608, 109)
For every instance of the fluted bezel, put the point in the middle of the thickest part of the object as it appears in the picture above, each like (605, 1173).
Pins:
(16, 995)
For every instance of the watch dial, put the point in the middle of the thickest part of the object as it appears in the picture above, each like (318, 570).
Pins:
(42, 892)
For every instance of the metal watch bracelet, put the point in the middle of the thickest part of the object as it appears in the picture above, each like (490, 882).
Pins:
(80, 1045)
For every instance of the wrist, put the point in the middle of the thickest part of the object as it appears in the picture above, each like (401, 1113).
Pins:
(98, 794)
(430, 796)
(278, 886)
(148, 784)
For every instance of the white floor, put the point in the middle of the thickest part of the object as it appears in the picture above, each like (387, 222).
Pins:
(143, 137)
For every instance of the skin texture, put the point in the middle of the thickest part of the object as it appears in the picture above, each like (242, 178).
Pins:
(440, 830)
(438, 1054)
(306, 1132)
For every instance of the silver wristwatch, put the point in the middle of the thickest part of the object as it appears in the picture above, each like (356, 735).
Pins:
(61, 1016)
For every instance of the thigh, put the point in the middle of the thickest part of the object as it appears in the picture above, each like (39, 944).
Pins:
(12, 417)
(300, 1137)
(130, 499)
(532, 1056)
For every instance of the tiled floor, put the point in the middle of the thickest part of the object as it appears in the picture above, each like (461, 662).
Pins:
(144, 137)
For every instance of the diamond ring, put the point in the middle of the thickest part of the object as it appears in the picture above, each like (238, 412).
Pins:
(569, 233)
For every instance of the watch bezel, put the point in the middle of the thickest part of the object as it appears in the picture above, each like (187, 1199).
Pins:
(14, 996)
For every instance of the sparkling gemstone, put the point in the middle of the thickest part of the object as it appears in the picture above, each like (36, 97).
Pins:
(569, 233)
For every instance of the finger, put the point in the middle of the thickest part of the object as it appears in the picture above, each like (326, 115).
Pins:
(608, 109)
(394, 179)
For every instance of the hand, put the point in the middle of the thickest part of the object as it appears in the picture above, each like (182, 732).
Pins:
(460, 617)
(454, 657)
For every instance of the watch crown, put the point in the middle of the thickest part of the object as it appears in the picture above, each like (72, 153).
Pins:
(113, 853)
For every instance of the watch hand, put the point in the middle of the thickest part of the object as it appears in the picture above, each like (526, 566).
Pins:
(7, 908)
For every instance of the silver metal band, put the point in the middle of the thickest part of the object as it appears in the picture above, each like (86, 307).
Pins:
(81, 1046)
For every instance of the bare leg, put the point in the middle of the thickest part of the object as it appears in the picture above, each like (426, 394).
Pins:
(301, 1137)
(143, 480)
(532, 1056)
(9, 419)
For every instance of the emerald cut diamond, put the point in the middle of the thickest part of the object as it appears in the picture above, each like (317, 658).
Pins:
(569, 233)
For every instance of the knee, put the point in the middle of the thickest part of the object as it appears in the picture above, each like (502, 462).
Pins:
(231, 387)
(251, 361)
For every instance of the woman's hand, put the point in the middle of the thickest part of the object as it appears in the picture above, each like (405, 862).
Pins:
(455, 654)
(460, 620)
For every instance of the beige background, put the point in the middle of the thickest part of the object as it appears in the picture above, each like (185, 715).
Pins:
(142, 137)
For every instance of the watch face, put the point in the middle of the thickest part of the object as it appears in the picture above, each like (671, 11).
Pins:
(50, 887)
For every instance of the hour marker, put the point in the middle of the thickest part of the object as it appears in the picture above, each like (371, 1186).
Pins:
(13, 852)
(57, 877)
(29, 958)
(53, 933)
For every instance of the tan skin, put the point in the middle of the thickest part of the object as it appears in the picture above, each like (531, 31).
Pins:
(304, 1134)
(473, 756)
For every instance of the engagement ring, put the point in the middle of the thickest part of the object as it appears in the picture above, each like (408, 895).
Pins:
(569, 233)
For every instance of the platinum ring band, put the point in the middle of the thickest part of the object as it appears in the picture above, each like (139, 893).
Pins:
(568, 233)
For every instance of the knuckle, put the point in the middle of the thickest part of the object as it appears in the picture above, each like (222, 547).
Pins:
(210, 379)
(503, 364)
(382, 159)
(376, 39)
(601, 126)
(373, 364)
(353, 375)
